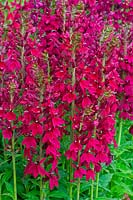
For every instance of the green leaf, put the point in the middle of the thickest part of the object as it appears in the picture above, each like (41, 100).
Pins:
(9, 188)
(7, 176)
(100, 198)
(5, 195)
(31, 194)
(85, 187)
(105, 180)
(58, 194)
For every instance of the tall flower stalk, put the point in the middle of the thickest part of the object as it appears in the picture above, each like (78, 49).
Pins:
(92, 190)
(97, 185)
(13, 146)
(14, 166)
(125, 54)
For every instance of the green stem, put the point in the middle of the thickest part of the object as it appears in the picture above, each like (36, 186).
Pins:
(0, 192)
(64, 14)
(72, 135)
(92, 189)
(49, 78)
(53, 6)
(120, 132)
(42, 194)
(78, 189)
(97, 183)
(14, 167)
(22, 51)
(78, 184)
(71, 177)
(125, 41)
(41, 145)
(41, 189)
(63, 164)
(73, 103)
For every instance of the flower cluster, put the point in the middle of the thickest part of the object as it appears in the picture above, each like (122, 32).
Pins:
(60, 59)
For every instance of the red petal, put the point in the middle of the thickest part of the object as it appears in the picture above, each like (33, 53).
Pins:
(53, 182)
(84, 84)
(86, 102)
(7, 134)
(10, 116)
(57, 121)
(36, 128)
(79, 173)
(41, 170)
(90, 175)
(29, 142)
(69, 97)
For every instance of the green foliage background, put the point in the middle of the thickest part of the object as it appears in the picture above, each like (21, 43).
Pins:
(115, 179)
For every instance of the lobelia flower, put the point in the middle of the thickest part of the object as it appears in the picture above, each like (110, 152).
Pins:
(76, 67)
(7, 134)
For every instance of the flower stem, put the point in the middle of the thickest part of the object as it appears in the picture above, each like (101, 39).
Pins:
(78, 184)
(22, 51)
(41, 189)
(97, 183)
(71, 177)
(64, 15)
(78, 189)
(14, 168)
(120, 132)
(72, 135)
(49, 78)
(42, 194)
(92, 189)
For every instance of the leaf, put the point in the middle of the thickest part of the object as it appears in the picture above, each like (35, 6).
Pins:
(7, 194)
(85, 187)
(6, 176)
(105, 180)
(58, 194)
(32, 198)
(9, 188)
(20, 188)
(32, 194)
(100, 198)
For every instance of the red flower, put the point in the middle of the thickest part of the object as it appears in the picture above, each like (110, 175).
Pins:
(36, 128)
(10, 116)
(7, 134)
(84, 84)
(36, 52)
(53, 182)
(57, 121)
(86, 102)
(87, 157)
(13, 65)
(90, 175)
(79, 173)
(35, 170)
(69, 97)
(29, 142)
